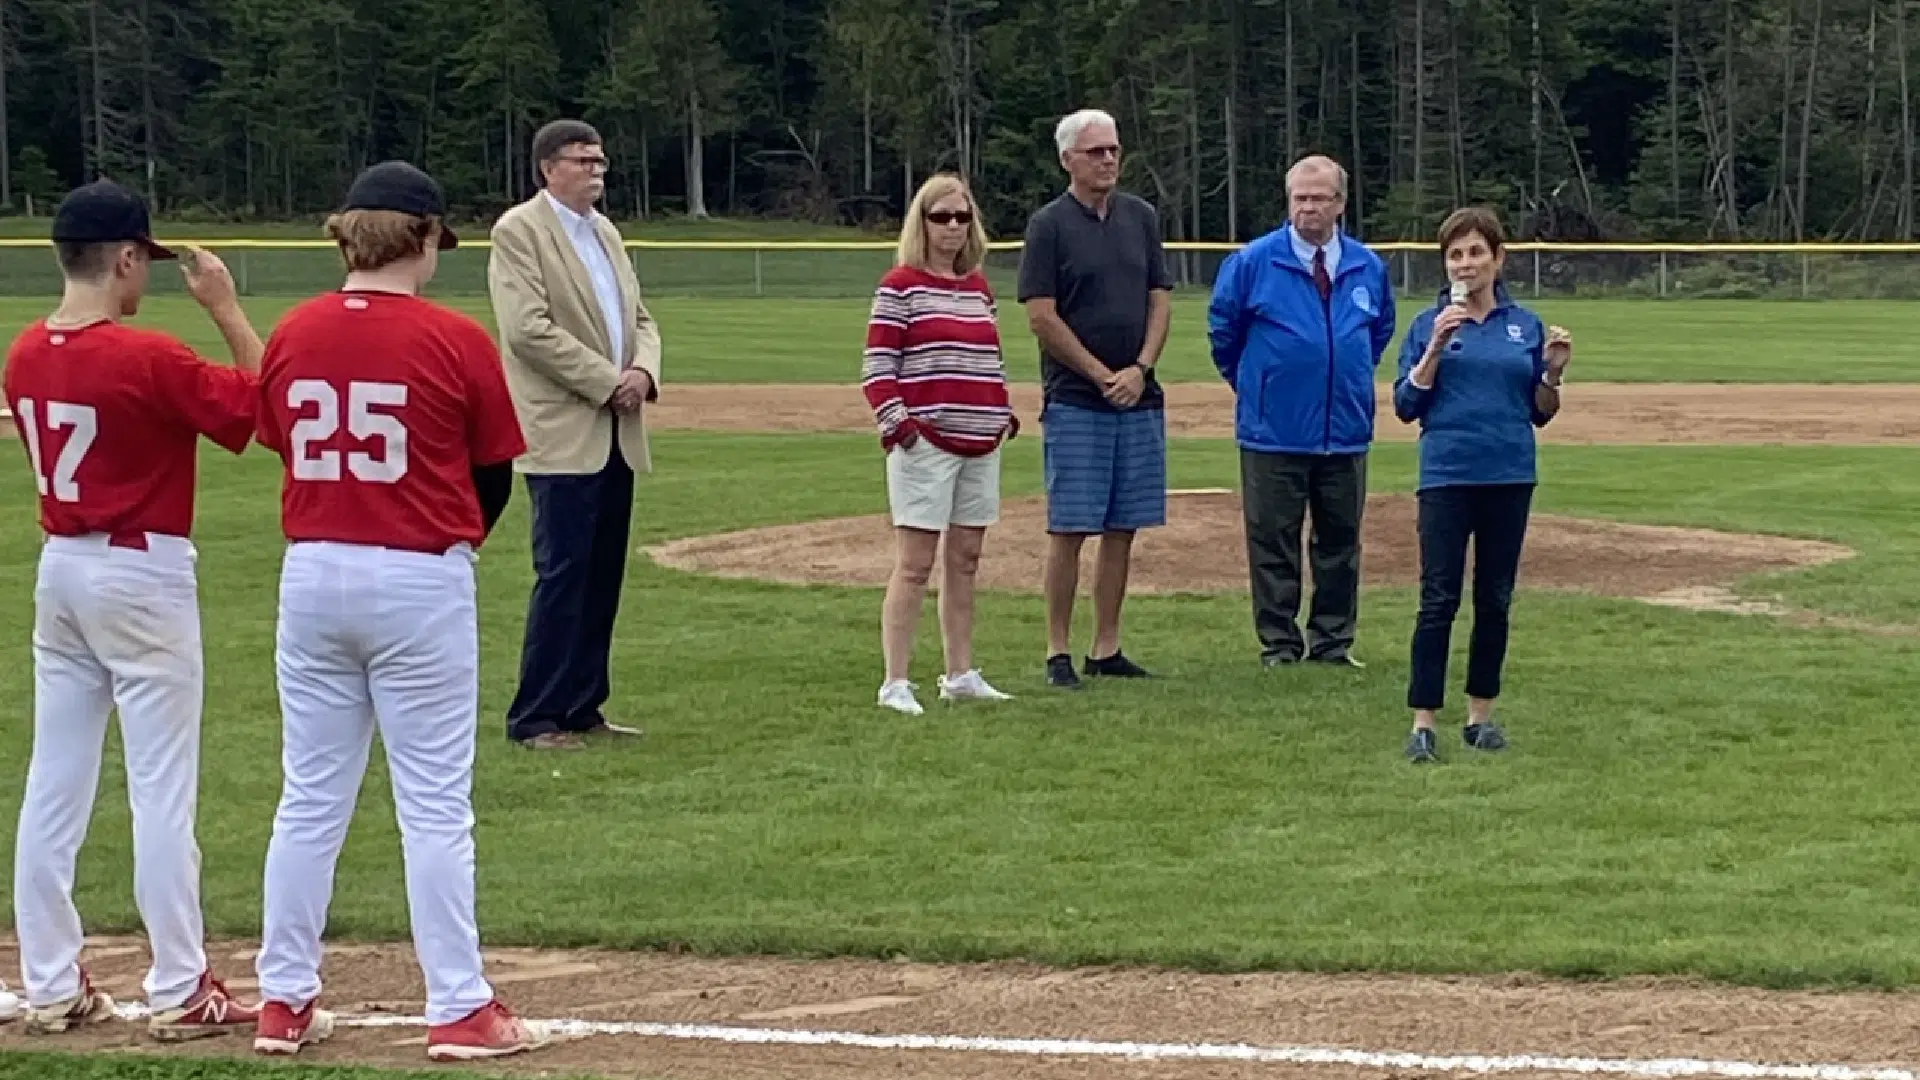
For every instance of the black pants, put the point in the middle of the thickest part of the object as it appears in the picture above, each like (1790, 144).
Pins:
(1495, 517)
(580, 525)
(1278, 491)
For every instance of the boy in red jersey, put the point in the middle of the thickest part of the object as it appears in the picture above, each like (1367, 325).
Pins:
(394, 421)
(112, 417)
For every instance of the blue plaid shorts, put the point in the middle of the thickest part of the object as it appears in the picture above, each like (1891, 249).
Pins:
(1105, 471)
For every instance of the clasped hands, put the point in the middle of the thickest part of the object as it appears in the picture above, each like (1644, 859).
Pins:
(635, 385)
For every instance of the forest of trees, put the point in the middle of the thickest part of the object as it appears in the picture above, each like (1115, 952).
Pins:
(1584, 119)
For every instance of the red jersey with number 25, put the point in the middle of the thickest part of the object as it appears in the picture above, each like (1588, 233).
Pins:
(111, 416)
(381, 405)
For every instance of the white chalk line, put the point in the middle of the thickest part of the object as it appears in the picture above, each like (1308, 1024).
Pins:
(1143, 1051)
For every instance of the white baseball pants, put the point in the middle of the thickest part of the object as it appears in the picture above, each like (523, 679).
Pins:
(113, 627)
(376, 637)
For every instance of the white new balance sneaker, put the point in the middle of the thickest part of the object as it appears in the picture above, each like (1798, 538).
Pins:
(969, 687)
(898, 696)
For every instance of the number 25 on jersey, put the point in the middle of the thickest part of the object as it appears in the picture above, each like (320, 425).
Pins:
(85, 427)
(311, 462)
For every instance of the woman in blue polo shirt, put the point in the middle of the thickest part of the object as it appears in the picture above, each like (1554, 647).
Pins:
(1479, 372)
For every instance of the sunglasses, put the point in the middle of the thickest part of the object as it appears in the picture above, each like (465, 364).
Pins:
(1107, 150)
(950, 217)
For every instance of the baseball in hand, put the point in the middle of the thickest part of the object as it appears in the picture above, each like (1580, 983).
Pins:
(1559, 348)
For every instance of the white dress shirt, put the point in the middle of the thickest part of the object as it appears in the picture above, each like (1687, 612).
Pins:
(606, 286)
(1303, 251)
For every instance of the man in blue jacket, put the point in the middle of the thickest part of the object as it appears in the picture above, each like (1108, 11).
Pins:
(1298, 322)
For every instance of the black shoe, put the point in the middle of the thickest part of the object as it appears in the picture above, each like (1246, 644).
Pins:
(1340, 659)
(1116, 666)
(1421, 748)
(1487, 736)
(1060, 672)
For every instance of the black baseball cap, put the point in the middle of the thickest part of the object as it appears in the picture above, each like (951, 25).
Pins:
(400, 187)
(103, 212)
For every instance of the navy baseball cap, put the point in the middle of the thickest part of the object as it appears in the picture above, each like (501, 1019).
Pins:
(103, 212)
(402, 188)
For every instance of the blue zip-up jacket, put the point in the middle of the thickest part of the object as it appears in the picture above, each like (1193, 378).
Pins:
(1301, 367)
(1478, 418)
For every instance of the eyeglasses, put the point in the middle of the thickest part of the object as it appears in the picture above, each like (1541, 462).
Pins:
(588, 160)
(1108, 150)
(950, 217)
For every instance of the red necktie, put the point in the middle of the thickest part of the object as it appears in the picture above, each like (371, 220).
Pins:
(1320, 277)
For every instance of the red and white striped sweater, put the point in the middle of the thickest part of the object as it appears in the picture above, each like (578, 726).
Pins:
(933, 363)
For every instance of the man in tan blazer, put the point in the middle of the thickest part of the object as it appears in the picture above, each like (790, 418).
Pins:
(582, 359)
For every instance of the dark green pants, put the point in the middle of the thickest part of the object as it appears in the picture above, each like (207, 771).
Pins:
(1279, 492)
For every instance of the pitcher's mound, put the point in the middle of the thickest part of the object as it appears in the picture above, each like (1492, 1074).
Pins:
(1202, 548)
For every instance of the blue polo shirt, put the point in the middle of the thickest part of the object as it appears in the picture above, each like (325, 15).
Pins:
(1478, 418)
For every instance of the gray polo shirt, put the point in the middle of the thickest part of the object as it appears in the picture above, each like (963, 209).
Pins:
(1098, 272)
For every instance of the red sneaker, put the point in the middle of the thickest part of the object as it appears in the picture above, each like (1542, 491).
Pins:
(89, 1006)
(283, 1031)
(210, 1011)
(490, 1031)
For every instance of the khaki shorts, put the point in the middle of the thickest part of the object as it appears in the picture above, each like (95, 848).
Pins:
(929, 488)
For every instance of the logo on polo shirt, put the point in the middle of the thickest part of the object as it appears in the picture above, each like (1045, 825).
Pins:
(1363, 299)
(1514, 333)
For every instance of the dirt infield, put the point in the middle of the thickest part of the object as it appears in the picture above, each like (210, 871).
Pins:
(1203, 549)
(1595, 413)
(1430, 1017)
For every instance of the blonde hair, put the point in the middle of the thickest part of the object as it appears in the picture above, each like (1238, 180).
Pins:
(913, 231)
(371, 239)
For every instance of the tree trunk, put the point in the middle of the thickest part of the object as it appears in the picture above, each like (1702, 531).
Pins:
(1534, 78)
(1293, 150)
(1233, 173)
(148, 116)
(866, 127)
(1869, 195)
(1457, 138)
(696, 160)
(1419, 103)
(1905, 212)
(1781, 201)
(646, 172)
(1673, 96)
(506, 152)
(1729, 177)
(1806, 129)
(6, 142)
(1356, 211)
(99, 90)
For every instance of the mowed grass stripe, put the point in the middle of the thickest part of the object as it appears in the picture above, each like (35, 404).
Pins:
(1688, 793)
(820, 340)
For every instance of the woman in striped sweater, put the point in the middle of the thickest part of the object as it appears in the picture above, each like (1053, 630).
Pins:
(934, 377)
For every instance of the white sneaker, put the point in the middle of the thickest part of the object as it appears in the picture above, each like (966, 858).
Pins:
(9, 1004)
(969, 687)
(898, 696)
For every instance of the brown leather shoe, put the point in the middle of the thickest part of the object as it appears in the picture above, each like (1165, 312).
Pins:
(554, 740)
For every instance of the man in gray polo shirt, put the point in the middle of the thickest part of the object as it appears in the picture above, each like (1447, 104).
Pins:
(1094, 280)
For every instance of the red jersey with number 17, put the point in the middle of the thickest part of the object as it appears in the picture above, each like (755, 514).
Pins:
(381, 405)
(111, 416)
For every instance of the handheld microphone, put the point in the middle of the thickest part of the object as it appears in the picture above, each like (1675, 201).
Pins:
(1460, 293)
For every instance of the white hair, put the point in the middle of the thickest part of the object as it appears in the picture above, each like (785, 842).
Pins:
(1071, 125)
(1320, 163)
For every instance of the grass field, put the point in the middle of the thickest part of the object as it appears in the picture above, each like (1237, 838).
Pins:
(1690, 793)
(819, 340)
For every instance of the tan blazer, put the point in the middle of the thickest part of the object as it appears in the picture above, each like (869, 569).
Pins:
(555, 343)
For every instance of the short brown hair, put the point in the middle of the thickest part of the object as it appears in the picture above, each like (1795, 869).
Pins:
(557, 135)
(1472, 219)
(86, 260)
(371, 239)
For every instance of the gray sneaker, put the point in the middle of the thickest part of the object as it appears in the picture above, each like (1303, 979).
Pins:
(1421, 747)
(1487, 736)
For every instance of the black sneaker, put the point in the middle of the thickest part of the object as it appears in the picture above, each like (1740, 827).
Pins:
(1116, 666)
(1487, 736)
(1060, 672)
(1421, 747)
